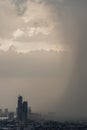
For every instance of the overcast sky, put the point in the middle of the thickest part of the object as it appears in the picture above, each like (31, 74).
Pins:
(43, 55)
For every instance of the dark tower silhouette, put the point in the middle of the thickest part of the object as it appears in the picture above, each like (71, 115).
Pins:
(22, 109)
(25, 111)
(19, 108)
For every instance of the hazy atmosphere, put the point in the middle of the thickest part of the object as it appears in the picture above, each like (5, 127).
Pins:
(43, 55)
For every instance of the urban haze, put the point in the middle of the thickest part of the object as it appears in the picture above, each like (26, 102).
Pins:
(43, 56)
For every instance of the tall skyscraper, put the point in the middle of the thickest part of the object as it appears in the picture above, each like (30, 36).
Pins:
(19, 108)
(22, 109)
(25, 111)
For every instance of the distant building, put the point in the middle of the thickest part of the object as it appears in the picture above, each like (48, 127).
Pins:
(6, 112)
(1, 111)
(19, 108)
(29, 111)
(11, 115)
(25, 111)
(36, 116)
(22, 109)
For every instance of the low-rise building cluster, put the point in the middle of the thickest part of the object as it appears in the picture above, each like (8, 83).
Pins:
(41, 125)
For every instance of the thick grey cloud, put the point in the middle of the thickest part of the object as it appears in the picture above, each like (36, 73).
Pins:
(20, 6)
(61, 21)
(25, 19)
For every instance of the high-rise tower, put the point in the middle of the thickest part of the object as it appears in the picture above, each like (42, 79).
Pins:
(25, 110)
(19, 108)
(22, 109)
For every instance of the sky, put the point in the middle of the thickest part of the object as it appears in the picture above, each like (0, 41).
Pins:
(43, 55)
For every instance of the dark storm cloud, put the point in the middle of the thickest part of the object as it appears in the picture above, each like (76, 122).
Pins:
(72, 16)
(20, 6)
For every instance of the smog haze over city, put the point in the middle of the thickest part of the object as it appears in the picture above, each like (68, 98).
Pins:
(43, 56)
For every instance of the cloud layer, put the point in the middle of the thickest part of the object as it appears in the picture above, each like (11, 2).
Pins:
(28, 22)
